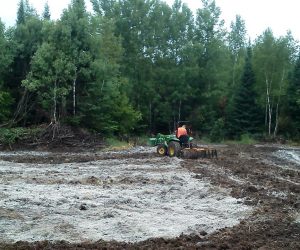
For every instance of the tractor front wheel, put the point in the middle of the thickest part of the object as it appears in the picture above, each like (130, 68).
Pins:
(161, 150)
(174, 149)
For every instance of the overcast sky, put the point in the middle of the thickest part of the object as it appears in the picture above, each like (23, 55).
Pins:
(279, 15)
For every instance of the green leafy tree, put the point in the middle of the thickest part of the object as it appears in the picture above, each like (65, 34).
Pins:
(74, 38)
(144, 27)
(214, 65)
(24, 40)
(50, 73)
(6, 100)
(105, 107)
(6, 56)
(105, 7)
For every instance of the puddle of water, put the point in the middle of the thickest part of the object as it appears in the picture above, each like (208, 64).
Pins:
(124, 200)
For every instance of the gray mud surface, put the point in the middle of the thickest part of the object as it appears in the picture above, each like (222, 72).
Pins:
(248, 198)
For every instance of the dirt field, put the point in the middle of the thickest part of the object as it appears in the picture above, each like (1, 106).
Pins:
(248, 198)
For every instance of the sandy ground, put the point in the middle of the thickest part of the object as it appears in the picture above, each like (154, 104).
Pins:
(248, 198)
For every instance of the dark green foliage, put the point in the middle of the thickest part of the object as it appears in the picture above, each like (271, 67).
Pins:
(25, 11)
(9, 136)
(293, 104)
(106, 107)
(243, 116)
(6, 102)
(237, 47)
(6, 56)
(138, 66)
(21, 13)
(217, 133)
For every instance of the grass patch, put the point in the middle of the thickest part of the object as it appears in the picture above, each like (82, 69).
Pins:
(141, 140)
(116, 144)
(293, 143)
(247, 139)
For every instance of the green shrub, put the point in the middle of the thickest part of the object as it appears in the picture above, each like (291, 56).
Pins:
(246, 139)
(217, 132)
(6, 102)
(9, 136)
(114, 143)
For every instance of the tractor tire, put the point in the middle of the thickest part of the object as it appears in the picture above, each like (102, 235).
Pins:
(161, 150)
(174, 149)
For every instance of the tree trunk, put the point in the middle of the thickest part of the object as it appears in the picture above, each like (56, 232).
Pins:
(102, 87)
(234, 70)
(266, 113)
(179, 110)
(269, 106)
(21, 110)
(74, 93)
(150, 116)
(277, 105)
(54, 102)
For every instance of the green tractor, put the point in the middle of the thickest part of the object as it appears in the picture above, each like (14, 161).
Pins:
(169, 144)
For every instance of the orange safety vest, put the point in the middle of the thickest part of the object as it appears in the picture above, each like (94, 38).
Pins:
(181, 131)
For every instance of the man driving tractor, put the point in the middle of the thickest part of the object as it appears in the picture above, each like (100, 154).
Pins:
(182, 135)
(180, 144)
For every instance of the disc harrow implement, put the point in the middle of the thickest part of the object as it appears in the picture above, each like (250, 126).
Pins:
(199, 152)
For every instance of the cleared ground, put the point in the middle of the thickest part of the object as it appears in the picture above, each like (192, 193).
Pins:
(248, 198)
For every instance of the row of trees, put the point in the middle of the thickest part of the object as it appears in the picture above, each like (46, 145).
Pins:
(141, 65)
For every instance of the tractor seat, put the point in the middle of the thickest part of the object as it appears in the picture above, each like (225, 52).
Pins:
(184, 141)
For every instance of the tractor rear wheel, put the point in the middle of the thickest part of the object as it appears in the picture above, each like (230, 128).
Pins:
(174, 149)
(161, 150)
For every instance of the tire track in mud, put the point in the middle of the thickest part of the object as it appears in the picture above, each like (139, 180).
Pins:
(273, 190)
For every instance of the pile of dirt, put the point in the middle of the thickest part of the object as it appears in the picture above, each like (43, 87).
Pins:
(58, 137)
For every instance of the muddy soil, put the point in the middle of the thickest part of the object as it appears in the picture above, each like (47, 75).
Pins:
(248, 198)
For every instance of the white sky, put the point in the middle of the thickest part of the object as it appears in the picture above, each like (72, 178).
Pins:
(279, 15)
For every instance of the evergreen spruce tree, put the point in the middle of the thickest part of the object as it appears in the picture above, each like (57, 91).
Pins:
(21, 13)
(294, 99)
(244, 112)
(46, 13)
(24, 12)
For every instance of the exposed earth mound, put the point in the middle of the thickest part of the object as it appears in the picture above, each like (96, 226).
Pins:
(248, 198)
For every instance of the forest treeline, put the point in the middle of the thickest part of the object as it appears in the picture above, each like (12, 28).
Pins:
(139, 66)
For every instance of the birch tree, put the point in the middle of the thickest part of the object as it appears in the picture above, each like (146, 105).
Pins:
(272, 59)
